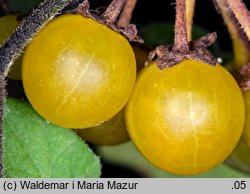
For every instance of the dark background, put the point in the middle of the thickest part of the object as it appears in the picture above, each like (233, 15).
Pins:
(147, 12)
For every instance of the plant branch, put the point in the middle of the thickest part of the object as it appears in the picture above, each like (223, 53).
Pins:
(14, 46)
(241, 45)
(190, 5)
(127, 13)
(113, 11)
(180, 39)
(168, 56)
(242, 14)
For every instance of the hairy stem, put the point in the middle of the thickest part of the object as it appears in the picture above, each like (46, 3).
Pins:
(16, 43)
(27, 30)
(190, 5)
(113, 11)
(180, 39)
(241, 45)
(127, 13)
(242, 14)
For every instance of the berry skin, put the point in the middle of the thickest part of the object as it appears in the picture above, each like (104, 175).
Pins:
(141, 57)
(111, 132)
(78, 73)
(185, 119)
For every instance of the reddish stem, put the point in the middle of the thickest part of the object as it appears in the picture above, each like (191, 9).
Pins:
(190, 6)
(127, 13)
(181, 39)
(242, 14)
(113, 11)
(241, 45)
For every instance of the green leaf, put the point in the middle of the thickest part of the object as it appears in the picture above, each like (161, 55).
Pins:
(39, 149)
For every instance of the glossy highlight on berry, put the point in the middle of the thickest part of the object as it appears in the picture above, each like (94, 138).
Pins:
(78, 73)
(185, 119)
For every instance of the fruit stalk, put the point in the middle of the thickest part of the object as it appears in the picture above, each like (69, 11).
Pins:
(181, 39)
(242, 14)
(168, 56)
(190, 5)
(127, 13)
(113, 11)
(16, 43)
(241, 45)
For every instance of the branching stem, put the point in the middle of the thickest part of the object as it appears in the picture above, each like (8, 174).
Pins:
(242, 14)
(113, 11)
(127, 13)
(241, 45)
